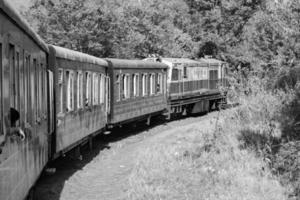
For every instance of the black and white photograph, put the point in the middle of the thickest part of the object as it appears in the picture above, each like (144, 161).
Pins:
(149, 100)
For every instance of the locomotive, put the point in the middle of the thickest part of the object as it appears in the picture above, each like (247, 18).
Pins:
(53, 99)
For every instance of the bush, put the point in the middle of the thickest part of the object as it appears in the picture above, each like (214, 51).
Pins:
(266, 123)
(202, 164)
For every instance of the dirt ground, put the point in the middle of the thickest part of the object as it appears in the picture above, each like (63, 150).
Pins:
(103, 172)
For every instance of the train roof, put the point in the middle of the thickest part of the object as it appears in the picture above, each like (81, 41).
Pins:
(132, 64)
(203, 62)
(181, 60)
(11, 12)
(69, 54)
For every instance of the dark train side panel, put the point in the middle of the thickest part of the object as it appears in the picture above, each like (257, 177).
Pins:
(132, 104)
(83, 119)
(23, 62)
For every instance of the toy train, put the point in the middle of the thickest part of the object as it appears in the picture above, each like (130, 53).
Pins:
(53, 99)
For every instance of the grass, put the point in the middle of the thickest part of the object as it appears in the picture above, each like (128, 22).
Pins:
(202, 161)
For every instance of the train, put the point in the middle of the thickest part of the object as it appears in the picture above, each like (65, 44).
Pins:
(54, 99)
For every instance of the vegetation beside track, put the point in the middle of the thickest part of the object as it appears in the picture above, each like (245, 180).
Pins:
(203, 161)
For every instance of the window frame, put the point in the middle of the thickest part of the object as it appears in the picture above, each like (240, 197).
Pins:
(95, 89)
(126, 86)
(60, 82)
(102, 88)
(1, 91)
(88, 88)
(152, 84)
(185, 74)
(136, 85)
(69, 90)
(79, 95)
(118, 87)
(144, 84)
(160, 82)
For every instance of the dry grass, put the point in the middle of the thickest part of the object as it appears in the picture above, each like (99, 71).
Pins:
(200, 162)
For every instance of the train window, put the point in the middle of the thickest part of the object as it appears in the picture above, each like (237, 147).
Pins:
(21, 88)
(164, 83)
(102, 88)
(28, 86)
(185, 72)
(133, 83)
(175, 75)
(152, 84)
(45, 96)
(107, 93)
(88, 94)
(60, 76)
(159, 84)
(126, 86)
(136, 85)
(17, 84)
(12, 75)
(144, 84)
(70, 90)
(36, 86)
(79, 90)
(42, 94)
(25, 85)
(118, 88)
(40, 88)
(95, 89)
(1, 94)
(32, 93)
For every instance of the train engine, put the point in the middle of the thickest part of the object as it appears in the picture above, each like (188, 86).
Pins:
(194, 85)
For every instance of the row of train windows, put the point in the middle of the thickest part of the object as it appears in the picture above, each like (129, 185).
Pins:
(93, 94)
(129, 85)
(192, 73)
(27, 87)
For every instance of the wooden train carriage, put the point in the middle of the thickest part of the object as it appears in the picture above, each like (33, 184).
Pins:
(193, 85)
(81, 97)
(23, 89)
(138, 90)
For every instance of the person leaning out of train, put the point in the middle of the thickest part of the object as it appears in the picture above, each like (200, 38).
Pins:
(13, 130)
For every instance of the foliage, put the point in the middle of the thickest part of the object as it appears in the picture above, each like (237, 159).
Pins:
(265, 120)
(202, 163)
(119, 29)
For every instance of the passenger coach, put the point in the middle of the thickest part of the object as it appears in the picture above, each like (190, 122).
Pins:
(81, 97)
(138, 90)
(24, 128)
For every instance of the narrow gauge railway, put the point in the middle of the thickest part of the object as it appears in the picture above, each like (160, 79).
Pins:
(53, 99)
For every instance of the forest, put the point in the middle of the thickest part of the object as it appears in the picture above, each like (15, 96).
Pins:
(260, 39)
